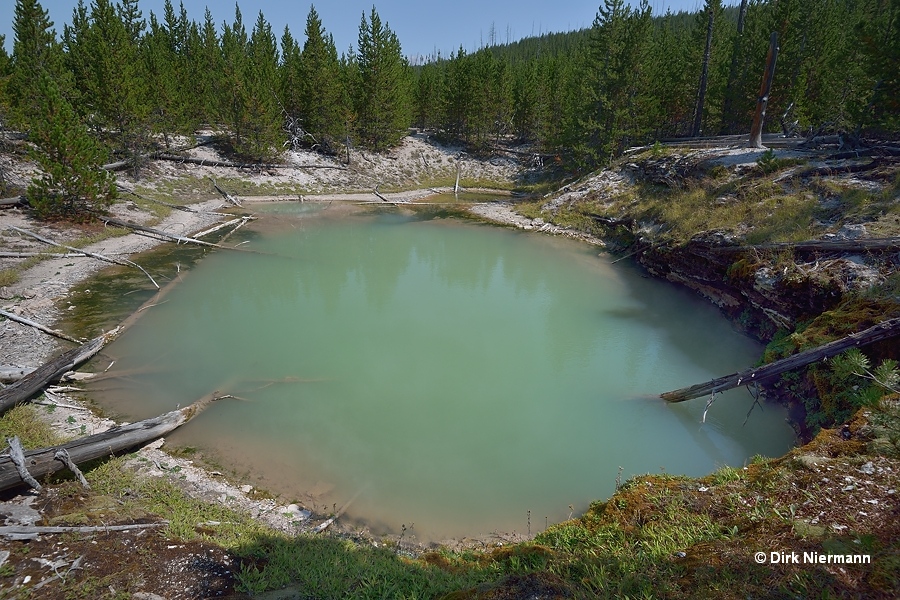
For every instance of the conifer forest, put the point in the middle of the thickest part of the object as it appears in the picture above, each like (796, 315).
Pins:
(115, 83)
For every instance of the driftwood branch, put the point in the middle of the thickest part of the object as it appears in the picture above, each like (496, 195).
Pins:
(43, 462)
(860, 245)
(115, 261)
(62, 455)
(884, 330)
(34, 382)
(19, 530)
(38, 326)
(17, 458)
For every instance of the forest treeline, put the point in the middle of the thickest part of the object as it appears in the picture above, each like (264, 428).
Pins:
(117, 83)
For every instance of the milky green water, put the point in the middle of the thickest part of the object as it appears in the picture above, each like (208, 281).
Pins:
(454, 376)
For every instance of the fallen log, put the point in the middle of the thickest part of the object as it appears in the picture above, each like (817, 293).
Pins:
(47, 254)
(876, 333)
(14, 201)
(170, 236)
(10, 531)
(115, 261)
(34, 382)
(858, 245)
(39, 327)
(43, 461)
(205, 162)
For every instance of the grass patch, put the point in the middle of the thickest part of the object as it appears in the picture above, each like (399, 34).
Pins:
(25, 421)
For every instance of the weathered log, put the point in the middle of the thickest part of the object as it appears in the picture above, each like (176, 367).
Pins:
(35, 381)
(876, 333)
(43, 461)
(205, 162)
(14, 201)
(844, 169)
(39, 327)
(859, 245)
(170, 236)
(218, 227)
(45, 254)
(115, 261)
(8, 531)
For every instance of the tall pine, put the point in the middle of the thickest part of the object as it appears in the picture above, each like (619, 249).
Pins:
(383, 99)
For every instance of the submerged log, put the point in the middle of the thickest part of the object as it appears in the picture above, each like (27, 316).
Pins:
(43, 462)
(34, 382)
(876, 333)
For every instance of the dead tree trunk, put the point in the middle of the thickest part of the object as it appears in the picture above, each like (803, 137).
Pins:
(43, 462)
(760, 116)
(704, 77)
(35, 381)
(882, 331)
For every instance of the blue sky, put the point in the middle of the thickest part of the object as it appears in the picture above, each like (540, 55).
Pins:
(423, 26)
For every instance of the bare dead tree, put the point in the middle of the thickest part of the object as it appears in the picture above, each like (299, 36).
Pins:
(764, 90)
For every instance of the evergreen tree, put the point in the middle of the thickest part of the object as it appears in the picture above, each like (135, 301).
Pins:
(233, 89)
(35, 51)
(383, 100)
(77, 56)
(319, 84)
(71, 181)
(289, 75)
(619, 42)
(880, 38)
(164, 51)
(263, 132)
(113, 91)
(205, 72)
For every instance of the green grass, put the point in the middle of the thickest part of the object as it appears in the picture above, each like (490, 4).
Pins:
(25, 421)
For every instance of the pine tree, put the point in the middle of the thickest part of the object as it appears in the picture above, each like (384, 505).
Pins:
(71, 182)
(35, 51)
(264, 114)
(112, 92)
(320, 96)
(289, 75)
(163, 52)
(205, 72)
(383, 100)
(233, 89)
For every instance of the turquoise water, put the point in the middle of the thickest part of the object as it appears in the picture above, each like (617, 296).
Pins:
(454, 376)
